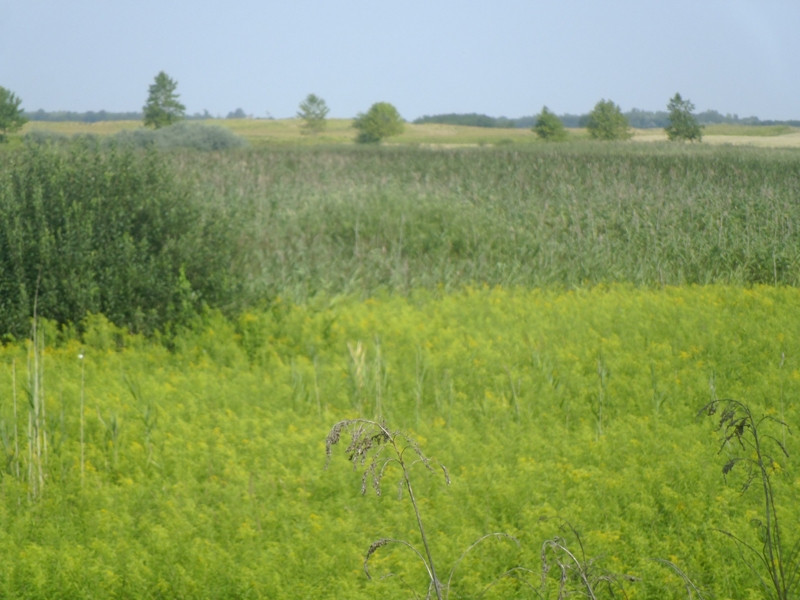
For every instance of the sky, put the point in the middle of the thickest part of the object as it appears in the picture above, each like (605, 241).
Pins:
(500, 57)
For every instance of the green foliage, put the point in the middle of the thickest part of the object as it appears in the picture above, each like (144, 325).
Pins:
(468, 295)
(203, 467)
(606, 122)
(376, 449)
(83, 230)
(549, 127)
(163, 107)
(683, 125)
(472, 120)
(193, 136)
(313, 111)
(381, 121)
(11, 117)
(351, 220)
(44, 136)
(182, 135)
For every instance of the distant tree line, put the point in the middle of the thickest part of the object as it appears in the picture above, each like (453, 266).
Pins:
(472, 120)
(637, 118)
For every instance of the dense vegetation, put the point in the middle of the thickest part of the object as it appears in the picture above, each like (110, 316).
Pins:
(242, 226)
(545, 322)
(357, 221)
(83, 230)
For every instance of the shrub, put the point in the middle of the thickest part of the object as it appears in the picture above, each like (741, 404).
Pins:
(83, 230)
(682, 123)
(42, 136)
(381, 121)
(194, 136)
(606, 122)
(549, 127)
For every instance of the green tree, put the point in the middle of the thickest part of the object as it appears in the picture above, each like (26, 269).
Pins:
(11, 118)
(163, 107)
(606, 122)
(237, 114)
(381, 121)
(313, 111)
(549, 127)
(682, 123)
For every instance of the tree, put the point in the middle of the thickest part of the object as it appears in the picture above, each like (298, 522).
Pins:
(682, 123)
(237, 114)
(381, 121)
(606, 122)
(549, 127)
(11, 118)
(313, 111)
(163, 107)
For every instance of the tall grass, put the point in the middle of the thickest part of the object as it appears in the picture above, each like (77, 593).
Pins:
(341, 220)
(149, 238)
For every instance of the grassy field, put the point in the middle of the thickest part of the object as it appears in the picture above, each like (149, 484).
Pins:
(200, 472)
(546, 321)
(288, 131)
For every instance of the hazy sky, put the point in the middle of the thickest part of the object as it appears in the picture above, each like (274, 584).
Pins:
(498, 57)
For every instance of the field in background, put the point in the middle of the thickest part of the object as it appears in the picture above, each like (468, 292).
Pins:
(288, 131)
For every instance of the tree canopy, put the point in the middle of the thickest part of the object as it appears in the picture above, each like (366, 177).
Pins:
(313, 111)
(11, 117)
(163, 107)
(606, 122)
(549, 127)
(682, 123)
(381, 121)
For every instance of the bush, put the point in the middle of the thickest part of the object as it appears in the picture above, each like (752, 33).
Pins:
(381, 121)
(549, 127)
(682, 123)
(182, 135)
(83, 230)
(193, 136)
(42, 136)
(606, 122)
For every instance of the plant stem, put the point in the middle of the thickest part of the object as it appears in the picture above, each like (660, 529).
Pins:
(436, 584)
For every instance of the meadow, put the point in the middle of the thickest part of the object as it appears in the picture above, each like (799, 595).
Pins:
(340, 131)
(546, 321)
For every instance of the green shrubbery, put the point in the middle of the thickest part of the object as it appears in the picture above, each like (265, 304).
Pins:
(182, 135)
(109, 226)
(91, 230)
(193, 136)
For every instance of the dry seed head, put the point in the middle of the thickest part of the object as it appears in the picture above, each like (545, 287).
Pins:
(372, 549)
(728, 466)
(332, 439)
